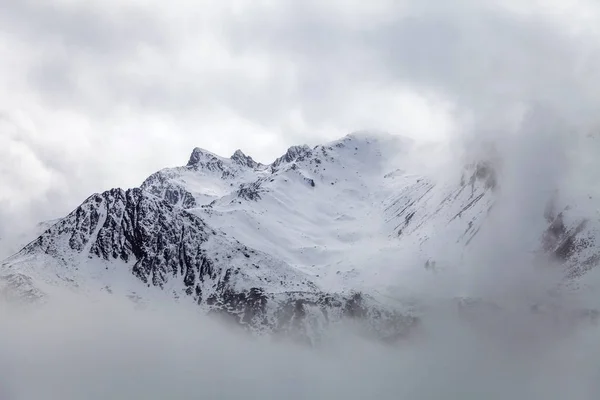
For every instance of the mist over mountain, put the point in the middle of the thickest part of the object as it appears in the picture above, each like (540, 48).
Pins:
(184, 215)
(341, 244)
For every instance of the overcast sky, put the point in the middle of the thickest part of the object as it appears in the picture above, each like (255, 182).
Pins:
(100, 93)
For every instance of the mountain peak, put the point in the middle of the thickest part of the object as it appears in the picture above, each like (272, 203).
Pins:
(294, 153)
(199, 155)
(241, 159)
(238, 154)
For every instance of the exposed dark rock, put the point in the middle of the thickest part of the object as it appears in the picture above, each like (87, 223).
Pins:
(161, 186)
(563, 243)
(241, 159)
(250, 191)
(206, 161)
(203, 157)
(482, 171)
(485, 171)
(408, 217)
(294, 153)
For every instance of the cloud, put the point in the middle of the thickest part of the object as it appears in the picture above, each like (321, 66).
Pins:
(103, 93)
(102, 347)
(99, 94)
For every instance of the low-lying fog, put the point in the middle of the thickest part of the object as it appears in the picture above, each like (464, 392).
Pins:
(109, 350)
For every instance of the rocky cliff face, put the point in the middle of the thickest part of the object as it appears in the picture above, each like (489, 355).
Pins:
(245, 161)
(161, 185)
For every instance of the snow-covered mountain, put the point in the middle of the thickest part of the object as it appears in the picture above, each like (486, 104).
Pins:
(322, 234)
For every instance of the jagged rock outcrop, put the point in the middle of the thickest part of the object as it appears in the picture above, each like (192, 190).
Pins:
(572, 244)
(246, 161)
(206, 161)
(250, 191)
(294, 153)
(162, 185)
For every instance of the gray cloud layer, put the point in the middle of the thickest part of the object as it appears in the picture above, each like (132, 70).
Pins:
(102, 348)
(102, 93)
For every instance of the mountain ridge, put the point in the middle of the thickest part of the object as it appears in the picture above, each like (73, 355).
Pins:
(320, 235)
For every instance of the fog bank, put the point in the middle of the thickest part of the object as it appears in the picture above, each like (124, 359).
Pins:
(108, 349)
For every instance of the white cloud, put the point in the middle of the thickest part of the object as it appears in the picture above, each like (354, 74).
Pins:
(103, 93)
(102, 348)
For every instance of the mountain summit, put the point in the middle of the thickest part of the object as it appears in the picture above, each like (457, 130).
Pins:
(241, 159)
